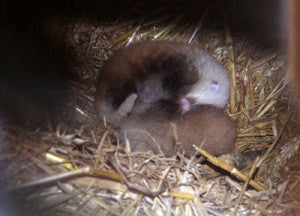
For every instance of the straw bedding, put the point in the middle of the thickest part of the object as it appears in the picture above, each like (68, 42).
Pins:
(76, 167)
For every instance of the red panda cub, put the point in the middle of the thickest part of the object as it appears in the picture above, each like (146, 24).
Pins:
(205, 126)
(154, 71)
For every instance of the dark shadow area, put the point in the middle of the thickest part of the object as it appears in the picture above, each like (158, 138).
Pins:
(33, 65)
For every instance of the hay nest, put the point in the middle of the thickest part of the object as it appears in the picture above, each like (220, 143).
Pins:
(75, 168)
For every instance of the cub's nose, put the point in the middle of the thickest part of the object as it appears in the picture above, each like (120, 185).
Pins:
(186, 103)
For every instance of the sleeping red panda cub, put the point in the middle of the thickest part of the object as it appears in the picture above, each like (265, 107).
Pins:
(169, 71)
(205, 126)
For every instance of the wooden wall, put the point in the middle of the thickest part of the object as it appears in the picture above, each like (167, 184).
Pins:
(294, 44)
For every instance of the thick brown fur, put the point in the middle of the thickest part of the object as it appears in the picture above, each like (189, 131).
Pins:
(206, 126)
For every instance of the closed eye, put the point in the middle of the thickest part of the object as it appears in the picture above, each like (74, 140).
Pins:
(215, 86)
